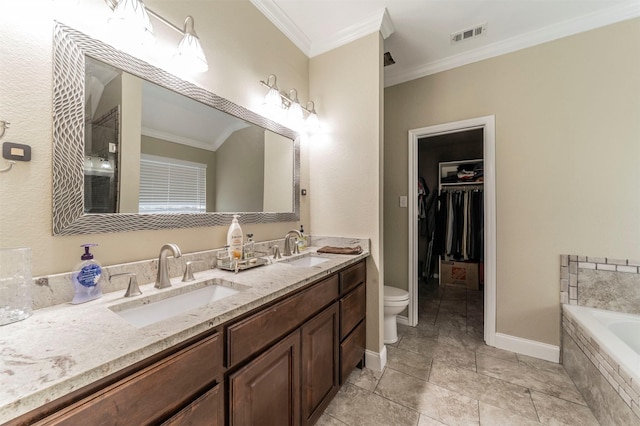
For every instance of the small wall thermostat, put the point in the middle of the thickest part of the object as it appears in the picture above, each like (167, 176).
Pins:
(16, 151)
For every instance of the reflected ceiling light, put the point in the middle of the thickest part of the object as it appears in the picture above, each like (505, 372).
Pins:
(280, 101)
(132, 21)
(190, 50)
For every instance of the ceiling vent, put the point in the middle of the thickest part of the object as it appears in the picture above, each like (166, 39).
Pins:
(469, 33)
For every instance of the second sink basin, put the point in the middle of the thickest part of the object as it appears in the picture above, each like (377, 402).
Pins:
(306, 261)
(158, 310)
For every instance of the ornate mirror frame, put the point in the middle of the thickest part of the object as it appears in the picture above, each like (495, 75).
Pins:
(70, 48)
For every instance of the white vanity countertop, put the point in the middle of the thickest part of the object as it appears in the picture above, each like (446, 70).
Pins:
(65, 347)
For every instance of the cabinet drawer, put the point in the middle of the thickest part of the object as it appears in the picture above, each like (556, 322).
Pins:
(353, 276)
(206, 410)
(265, 327)
(151, 393)
(352, 351)
(352, 309)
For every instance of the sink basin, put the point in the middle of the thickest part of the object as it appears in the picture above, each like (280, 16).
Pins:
(306, 261)
(158, 310)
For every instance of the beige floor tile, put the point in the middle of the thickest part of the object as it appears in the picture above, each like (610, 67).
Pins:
(436, 350)
(459, 339)
(484, 388)
(410, 363)
(355, 406)
(494, 416)
(327, 420)
(365, 378)
(555, 411)
(435, 401)
(557, 384)
(540, 364)
(497, 353)
(428, 421)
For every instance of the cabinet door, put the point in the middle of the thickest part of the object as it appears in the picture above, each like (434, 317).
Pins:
(208, 410)
(149, 394)
(267, 390)
(320, 363)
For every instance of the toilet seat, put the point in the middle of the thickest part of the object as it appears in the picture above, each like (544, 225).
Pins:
(394, 294)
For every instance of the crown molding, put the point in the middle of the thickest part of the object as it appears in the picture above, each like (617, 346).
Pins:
(379, 21)
(625, 11)
(282, 21)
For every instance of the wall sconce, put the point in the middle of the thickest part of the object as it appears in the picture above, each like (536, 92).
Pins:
(134, 17)
(290, 103)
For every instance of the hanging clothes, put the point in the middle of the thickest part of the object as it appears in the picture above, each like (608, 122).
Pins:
(460, 231)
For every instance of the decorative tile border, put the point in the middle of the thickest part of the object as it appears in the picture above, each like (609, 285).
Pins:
(571, 264)
(616, 375)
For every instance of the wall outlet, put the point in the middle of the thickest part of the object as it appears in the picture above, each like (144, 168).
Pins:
(403, 201)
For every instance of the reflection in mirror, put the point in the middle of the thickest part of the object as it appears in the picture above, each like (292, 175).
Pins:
(103, 148)
(171, 154)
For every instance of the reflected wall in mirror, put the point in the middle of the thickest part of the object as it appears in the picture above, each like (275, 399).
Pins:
(122, 127)
(172, 154)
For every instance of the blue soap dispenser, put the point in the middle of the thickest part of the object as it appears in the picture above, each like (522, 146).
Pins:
(86, 277)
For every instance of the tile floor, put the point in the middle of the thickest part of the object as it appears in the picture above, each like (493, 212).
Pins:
(442, 373)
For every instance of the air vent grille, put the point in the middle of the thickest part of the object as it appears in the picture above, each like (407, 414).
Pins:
(468, 33)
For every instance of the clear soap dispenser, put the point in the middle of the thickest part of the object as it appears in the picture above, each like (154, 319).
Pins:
(86, 277)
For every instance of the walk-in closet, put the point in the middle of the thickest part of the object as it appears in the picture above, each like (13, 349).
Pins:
(451, 211)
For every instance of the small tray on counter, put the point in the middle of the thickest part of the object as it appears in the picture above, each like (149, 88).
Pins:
(230, 265)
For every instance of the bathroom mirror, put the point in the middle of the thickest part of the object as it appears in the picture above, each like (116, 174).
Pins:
(268, 189)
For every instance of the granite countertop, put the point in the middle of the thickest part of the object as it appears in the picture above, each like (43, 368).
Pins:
(64, 347)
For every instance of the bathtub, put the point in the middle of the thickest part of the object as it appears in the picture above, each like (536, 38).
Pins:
(617, 334)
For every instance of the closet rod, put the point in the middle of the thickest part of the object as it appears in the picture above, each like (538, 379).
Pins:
(469, 186)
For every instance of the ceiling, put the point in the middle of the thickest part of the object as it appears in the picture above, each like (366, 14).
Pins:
(418, 32)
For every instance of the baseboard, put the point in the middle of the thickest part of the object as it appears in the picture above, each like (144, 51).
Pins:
(528, 347)
(376, 360)
(401, 319)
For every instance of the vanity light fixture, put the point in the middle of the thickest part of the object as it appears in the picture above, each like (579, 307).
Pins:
(312, 123)
(132, 21)
(290, 103)
(134, 16)
(294, 113)
(190, 50)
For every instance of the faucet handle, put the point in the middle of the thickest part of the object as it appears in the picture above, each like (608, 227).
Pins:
(132, 289)
(276, 251)
(188, 272)
(296, 247)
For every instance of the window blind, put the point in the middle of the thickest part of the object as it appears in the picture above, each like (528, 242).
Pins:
(168, 185)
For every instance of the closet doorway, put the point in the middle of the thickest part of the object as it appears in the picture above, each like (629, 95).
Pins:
(482, 130)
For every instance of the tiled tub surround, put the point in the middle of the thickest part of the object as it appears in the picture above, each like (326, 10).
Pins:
(611, 389)
(64, 347)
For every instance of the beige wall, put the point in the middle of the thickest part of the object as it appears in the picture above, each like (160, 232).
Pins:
(240, 171)
(345, 169)
(567, 155)
(242, 47)
(278, 173)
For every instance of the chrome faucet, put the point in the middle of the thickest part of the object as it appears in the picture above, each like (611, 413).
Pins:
(287, 243)
(162, 280)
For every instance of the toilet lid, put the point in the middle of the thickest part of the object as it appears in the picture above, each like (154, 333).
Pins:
(395, 294)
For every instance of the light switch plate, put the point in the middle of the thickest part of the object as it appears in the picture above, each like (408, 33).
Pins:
(16, 151)
(403, 201)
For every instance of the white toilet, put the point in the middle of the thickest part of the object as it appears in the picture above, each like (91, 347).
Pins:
(395, 300)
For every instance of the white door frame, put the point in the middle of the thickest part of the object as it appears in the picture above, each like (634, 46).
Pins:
(489, 153)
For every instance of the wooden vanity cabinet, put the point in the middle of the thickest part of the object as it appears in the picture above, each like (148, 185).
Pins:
(276, 380)
(353, 306)
(179, 389)
(320, 363)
